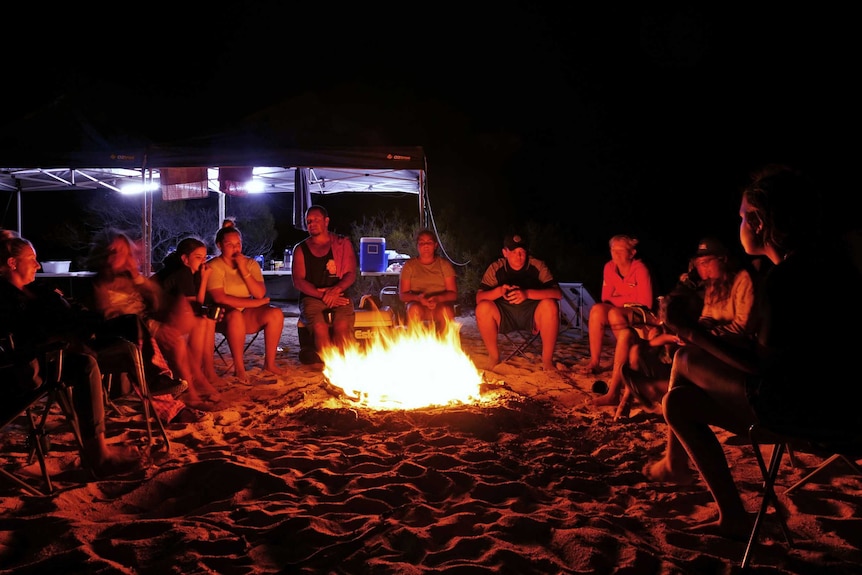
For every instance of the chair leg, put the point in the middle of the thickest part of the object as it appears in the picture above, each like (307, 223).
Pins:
(520, 349)
(149, 410)
(821, 467)
(37, 439)
(229, 364)
(768, 497)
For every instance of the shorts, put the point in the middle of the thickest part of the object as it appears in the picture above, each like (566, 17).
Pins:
(517, 316)
(311, 311)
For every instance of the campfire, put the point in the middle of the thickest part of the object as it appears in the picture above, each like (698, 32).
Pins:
(406, 368)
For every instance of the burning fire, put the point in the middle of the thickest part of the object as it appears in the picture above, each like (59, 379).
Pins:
(406, 368)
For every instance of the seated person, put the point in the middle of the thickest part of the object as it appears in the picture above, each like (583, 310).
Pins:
(518, 292)
(625, 279)
(119, 289)
(727, 312)
(183, 279)
(324, 267)
(772, 383)
(37, 316)
(236, 283)
(427, 285)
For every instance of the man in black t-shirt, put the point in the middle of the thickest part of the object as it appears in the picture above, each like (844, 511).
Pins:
(518, 292)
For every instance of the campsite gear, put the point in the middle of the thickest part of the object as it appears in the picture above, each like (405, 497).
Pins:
(372, 255)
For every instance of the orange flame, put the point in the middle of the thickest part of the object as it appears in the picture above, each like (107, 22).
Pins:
(406, 368)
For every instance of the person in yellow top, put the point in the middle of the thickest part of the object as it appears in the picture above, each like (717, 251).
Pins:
(428, 284)
(236, 283)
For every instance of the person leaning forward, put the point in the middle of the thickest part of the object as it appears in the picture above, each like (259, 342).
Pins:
(518, 291)
(324, 267)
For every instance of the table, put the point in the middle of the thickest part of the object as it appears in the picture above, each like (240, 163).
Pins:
(74, 285)
(380, 279)
(279, 285)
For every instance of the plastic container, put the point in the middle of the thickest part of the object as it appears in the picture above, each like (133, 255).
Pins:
(56, 267)
(372, 255)
(288, 259)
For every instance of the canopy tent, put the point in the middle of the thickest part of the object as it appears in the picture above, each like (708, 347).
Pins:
(60, 150)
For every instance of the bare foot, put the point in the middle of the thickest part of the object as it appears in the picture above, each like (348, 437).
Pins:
(491, 366)
(549, 367)
(590, 369)
(607, 399)
(274, 369)
(661, 472)
(737, 529)
(113, 459)
(207, 405)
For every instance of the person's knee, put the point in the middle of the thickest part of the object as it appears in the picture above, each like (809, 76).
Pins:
(487, 311)
(677, 404)
(547, 310)
(275, 314)
(599, 312)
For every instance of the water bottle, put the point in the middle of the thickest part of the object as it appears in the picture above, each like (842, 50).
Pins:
(288, 259)
(259, 260)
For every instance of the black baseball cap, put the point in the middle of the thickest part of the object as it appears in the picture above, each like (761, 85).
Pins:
(514, 241)
(710, 247)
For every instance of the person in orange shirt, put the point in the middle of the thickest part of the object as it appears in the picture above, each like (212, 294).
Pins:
(625, 279)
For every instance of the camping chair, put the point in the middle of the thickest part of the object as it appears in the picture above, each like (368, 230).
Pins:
(833, 445)
(220, 345)
(520, 340)
(119, 353)
(34, 407)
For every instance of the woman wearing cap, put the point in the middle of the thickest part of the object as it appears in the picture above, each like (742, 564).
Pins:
(625, 280)
(428, 284)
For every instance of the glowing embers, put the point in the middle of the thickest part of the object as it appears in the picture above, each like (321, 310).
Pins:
(406, 368)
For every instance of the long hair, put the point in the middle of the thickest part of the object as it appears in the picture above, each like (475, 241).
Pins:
(173, 261)
(717, 290)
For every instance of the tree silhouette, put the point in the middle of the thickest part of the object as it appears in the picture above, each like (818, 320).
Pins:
(174, 220)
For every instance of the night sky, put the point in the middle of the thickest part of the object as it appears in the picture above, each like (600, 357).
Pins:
(603, 120)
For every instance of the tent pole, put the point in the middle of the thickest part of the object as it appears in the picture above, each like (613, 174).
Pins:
(422, 201)
(147, 226)
(20, 211)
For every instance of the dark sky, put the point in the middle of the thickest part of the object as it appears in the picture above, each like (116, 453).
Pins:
(606, 120)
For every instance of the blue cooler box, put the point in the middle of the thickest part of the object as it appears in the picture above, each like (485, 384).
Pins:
(372, 254)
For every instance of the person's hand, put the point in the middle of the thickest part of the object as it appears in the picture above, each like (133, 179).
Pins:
(206, 271)
(515, 295)
(240, 263)
(431, 302)
(333, 297)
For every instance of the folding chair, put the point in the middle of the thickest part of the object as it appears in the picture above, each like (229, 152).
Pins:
(223, 342)
(35, 406)
(121, 356)
(520, 340)
(830, 444)
(119, 351)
